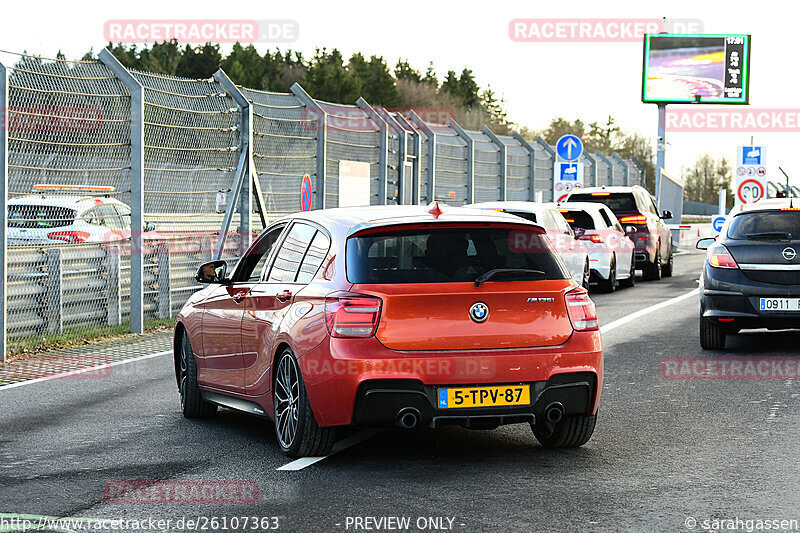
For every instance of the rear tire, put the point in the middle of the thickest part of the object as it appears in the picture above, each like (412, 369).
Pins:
(652, 272)
(570, 432)
(192, 403)
(296, 429)
(712, 336)
(610, 284)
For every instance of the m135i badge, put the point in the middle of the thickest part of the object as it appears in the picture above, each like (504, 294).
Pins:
(540, 300)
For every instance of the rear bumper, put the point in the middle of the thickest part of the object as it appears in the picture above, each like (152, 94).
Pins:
(728, 294)
(600, 265)
(360, 381)
(381, 401)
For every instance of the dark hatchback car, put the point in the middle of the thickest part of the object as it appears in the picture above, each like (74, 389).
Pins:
(751, 277)
(634, 207)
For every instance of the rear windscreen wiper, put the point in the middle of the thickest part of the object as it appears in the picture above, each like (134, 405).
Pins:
(770, 235)
(486, 276)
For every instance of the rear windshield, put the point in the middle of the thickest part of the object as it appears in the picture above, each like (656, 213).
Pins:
(523, 214)
(765, 225)
(39, 216)
(578, 219)
(449, 254)
(618, 202)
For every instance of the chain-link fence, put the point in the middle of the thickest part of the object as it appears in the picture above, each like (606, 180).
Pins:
(117, 184)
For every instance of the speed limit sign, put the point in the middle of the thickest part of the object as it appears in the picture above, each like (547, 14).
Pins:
(750, 191)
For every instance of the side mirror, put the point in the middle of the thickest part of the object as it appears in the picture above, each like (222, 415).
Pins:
(704, 244)
(630, 229)
(667, 214)
(579, 232)
(212, 272)
(149, 226)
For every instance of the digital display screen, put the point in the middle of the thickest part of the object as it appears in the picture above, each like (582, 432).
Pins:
(683, 68)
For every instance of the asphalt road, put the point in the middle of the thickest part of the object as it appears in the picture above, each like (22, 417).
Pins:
(665, 451)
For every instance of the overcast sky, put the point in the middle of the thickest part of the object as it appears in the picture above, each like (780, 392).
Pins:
(539, 81)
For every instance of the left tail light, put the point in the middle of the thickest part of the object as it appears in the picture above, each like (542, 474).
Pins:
(68, 236)
(352, 315)
(581, 309)
(633, 219)
(593, 237)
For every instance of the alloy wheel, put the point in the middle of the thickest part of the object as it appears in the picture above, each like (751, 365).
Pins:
(287, 396)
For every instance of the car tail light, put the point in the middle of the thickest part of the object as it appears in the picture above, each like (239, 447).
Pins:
(601, 194)
(719, 257)
(593, 238)
(581, 309)
(352, 315)
(633, 219)
(69, 236)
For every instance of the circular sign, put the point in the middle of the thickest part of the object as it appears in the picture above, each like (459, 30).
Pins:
(305, 194)
(751, 171)
(562, 198)
(761, 171)
(569, 147)
(717, 222)
(741, 171)
(750, 191)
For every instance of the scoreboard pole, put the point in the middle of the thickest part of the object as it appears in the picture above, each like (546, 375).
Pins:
(661, 145)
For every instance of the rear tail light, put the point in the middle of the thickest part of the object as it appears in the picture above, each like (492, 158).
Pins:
(633, 219)
(68, 236)
(601, 194)
(593, 238)
(719, 257)
(581, 309)
(352, 315)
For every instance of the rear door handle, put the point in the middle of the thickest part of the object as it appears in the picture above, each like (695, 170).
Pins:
(284, 296)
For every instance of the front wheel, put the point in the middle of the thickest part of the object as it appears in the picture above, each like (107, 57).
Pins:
(570, 432)
(297, 430)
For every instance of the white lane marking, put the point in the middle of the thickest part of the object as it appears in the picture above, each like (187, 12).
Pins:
(83, 370)
(343, 444)
(646, 311)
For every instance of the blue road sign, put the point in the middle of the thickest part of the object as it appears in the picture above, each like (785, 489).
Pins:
(305, 194)
(569, 147)
(717, 222)
(751, 155)
(568, 172)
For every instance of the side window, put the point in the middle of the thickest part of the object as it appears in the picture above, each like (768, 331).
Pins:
(314, 257)
(606, 218)
(109, 214)
(90, 216)
(561, 223)
(125, 215)
(612, 220)
(291, 253)
(253, 262)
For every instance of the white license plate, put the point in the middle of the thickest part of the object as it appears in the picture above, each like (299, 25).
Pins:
(779, 304)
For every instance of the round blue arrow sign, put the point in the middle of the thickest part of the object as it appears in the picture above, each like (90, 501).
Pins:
(717, 222)
(569, 147)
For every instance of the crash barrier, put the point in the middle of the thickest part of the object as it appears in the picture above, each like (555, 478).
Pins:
(196, 155)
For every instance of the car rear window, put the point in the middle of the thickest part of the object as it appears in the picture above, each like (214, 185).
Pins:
(39, 216)
(763, 224)
(578, 219)
(523, 214)
(618, 202)
(449, 254)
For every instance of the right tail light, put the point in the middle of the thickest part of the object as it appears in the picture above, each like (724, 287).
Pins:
(352, 315)
(719, 257)
(581, 309)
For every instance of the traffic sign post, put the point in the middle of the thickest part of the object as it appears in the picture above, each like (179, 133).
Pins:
(751, 172)
(306, 194)
(567, 170)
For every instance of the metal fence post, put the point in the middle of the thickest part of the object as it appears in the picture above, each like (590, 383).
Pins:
(4, 206)
(416, 171)
(322, 147)
(593, 176)
(163, 280)
(241, 190)
(137, 186)
(383, 156)
(403, 196)
(503, 161)
(610, 175)
(531, 165)
(113, 287)
(640, 167)
(421, 124)
(625, 168)
(553, 159)
(461, 132)
(54, 301)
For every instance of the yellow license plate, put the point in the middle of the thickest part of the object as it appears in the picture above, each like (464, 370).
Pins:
(484, 396)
